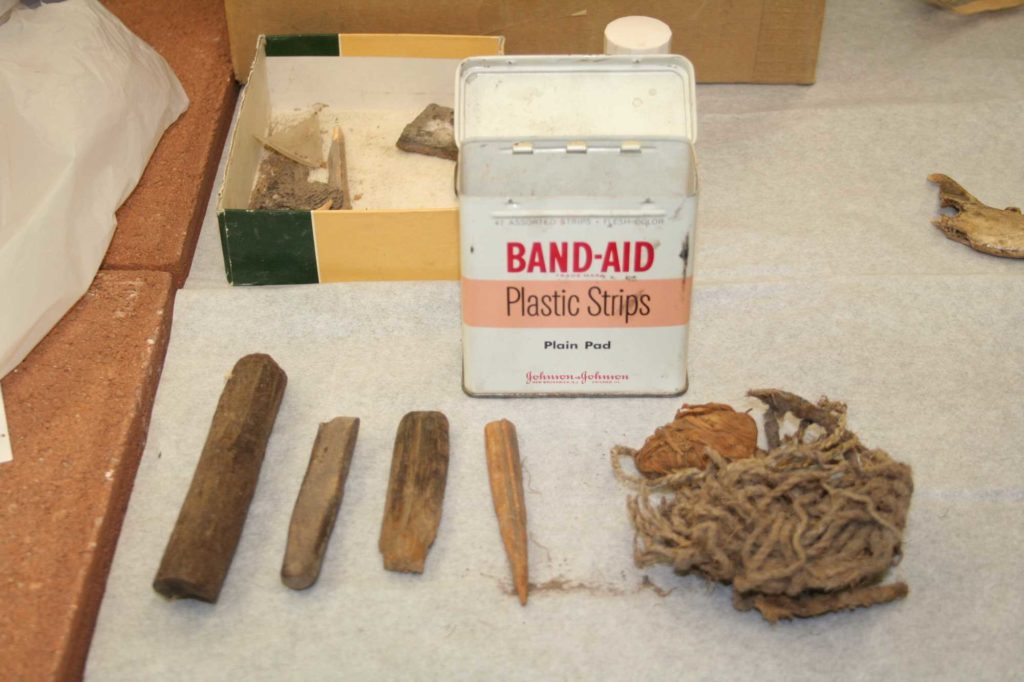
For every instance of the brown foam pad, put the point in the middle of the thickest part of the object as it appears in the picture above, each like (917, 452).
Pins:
(78, 409)
(159, 223)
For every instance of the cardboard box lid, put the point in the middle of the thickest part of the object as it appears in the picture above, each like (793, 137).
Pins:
(728, 41)
(625, 96)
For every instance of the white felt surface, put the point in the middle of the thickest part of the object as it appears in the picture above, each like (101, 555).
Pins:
(817, 271)
(379, 350)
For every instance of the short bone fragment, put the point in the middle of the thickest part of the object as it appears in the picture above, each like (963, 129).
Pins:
(997, 232)
(506, 475)
(199, 552)
(412, 512)
(316, 507)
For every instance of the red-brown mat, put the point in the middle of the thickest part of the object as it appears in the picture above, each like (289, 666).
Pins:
(78, 408)
(158, 226)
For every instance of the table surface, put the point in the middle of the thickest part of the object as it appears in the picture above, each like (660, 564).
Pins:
(817, 271)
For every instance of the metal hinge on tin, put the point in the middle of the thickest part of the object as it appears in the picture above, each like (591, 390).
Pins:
(578, 199)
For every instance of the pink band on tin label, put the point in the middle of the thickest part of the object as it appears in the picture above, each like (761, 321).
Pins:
(576, 303)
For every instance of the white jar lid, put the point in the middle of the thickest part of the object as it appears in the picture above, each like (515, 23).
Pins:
(637, 35)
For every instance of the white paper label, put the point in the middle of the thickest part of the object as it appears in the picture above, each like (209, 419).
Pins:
(582, 302)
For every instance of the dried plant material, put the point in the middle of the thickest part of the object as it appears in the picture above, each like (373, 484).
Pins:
(684, 442)
(204, 539)
(419, 470)
(316, 507)
(776, 607)
(983, 228)
(809, 527)
(976, 6)
(506, 476)
(299, 142)
(283, 185)
(431, 133)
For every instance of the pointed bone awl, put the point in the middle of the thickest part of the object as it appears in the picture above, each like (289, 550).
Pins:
(203, 542)
(412, 512)
(337, 170)
(506, 475)
(319, 498)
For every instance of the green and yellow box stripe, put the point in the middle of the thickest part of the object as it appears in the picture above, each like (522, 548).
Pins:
(304, 247)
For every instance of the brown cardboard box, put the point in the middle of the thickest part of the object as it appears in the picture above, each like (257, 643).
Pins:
(728, 41)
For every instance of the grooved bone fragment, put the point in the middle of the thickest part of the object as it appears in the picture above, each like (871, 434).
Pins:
(203, 542)
(419, 470)
(997, 232)
(431, 133)
(505, 472)
(319, 498)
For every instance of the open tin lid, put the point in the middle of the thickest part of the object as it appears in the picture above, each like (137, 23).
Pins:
(575, 97)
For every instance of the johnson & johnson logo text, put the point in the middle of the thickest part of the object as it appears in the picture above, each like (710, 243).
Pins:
(577, 378)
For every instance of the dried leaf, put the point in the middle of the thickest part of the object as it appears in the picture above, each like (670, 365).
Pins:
(695, 429)
(299, 142)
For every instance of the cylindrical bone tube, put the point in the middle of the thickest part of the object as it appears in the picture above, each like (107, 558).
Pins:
(204, 539)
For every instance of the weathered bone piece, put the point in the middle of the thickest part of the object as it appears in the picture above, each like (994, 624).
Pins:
(505, 472)
(981, 227)
(204, 539)
(419, 471)
(431, 133)
(316, 507)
